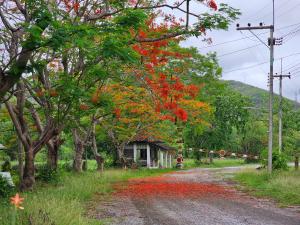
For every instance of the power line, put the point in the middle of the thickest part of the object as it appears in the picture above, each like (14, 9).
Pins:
(295, 69)
(289, 10)
(291, 32)
(254, 53)
(291, 64)
(294, 34)
(245, 68)
(255, 65)
(247, 37)
(291, 67)
(258, 11)
(267, 14)
(240, 50)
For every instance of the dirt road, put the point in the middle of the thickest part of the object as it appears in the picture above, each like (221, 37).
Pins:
(193, 197)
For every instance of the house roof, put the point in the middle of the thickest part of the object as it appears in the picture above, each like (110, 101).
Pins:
(144, 138)
(165, 146)
(153, 141)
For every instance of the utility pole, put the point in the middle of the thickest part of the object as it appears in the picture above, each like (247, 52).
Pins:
(280, 76)
(271, 42)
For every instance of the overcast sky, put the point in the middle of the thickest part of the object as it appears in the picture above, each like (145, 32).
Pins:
(287, 25)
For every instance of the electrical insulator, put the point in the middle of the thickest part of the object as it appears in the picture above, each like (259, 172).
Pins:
(269, 41)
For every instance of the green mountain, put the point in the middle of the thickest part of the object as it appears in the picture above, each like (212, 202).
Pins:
(259, 97)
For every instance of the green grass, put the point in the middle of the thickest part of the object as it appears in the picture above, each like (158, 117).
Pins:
(67, 202)
(282, 186)
(92, 165)
(217, 163)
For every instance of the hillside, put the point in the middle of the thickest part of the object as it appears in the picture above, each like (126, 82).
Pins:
(260, 97)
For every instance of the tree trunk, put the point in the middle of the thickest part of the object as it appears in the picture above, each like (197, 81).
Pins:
(99, 159)
(121, 158)
(100, 162)
(28, 175)
(79, 149)
(52, 157)
(31, 147)
(53, 148)
(20, 160)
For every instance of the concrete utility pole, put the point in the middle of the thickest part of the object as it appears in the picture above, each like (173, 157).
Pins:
(280, 76)
(271, 42)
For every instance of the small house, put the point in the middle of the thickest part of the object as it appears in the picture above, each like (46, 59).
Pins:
(150, 153)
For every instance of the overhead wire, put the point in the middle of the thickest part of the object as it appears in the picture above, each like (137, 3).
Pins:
(291, 67)
(293, 35)
(240, 50)
(289, 10)
(246, 37)
(254, 53)
(270, 13)
(258, 64)
(258, 11)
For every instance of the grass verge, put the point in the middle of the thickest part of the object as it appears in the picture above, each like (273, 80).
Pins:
(217, 163)
(65, 203)
(282, 186)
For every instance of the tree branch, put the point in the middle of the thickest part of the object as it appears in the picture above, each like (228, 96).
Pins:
(163, 37)
(6, 23)
(21, 8)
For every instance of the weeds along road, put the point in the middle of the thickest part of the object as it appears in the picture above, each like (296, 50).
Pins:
(197, 196)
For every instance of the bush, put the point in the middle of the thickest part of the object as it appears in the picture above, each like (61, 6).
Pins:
(5, 189)
(279, 160)
(66, 166)
(48, 175)
(6, 166)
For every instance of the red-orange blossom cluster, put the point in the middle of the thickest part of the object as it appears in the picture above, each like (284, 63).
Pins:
(161, 78)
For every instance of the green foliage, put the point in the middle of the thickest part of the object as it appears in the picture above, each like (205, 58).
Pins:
(48, 175)
(5, 189)
(131, 18)
(279, 160)
(255, 138)
(6, 166)
(227, 123)
(219, 20)
(117, 48)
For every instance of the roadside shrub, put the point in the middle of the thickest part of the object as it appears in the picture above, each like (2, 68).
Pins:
(6, 166)
(48, 175)
(66, 166)
(5, 189)
(279, 161)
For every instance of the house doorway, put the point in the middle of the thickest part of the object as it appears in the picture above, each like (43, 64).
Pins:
(143, 155)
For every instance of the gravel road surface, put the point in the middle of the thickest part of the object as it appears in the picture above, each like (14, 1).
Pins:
(177, 199)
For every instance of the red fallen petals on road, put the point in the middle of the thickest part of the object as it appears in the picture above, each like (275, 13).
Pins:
(169, 187)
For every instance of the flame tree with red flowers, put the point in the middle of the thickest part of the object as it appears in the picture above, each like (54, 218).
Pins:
(62, 50)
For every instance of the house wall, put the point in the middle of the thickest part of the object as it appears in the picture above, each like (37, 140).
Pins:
(135, 152)
(162, 158)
